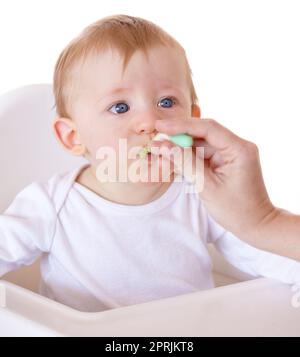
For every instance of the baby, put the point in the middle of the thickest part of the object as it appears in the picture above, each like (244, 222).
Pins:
(117, 242)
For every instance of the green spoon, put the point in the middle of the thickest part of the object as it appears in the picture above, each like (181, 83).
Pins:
(182, 140)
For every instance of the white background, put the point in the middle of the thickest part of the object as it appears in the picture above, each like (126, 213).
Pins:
(244, 55)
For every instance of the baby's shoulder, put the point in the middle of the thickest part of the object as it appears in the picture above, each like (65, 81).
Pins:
(57, 187)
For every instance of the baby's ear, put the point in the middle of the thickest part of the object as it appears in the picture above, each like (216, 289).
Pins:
(196, 111)
(66, 133)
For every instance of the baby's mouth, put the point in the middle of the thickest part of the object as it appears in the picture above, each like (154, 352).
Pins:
(144, 151)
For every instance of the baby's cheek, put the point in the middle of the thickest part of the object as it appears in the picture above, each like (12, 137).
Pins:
(104, 146)
(95, 139)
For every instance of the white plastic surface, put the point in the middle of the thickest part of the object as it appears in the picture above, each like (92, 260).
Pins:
(261, 307)
(28, 149)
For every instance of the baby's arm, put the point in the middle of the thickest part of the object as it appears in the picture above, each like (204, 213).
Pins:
(251, 260)
(26, 228)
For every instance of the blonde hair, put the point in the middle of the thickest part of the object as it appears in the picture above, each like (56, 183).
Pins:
(124, 33)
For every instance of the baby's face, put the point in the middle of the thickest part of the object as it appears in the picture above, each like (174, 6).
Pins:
(110, 106)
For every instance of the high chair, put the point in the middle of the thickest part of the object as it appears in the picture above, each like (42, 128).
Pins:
(29, 152)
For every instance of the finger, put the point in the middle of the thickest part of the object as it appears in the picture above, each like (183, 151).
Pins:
(166, 149)
(213, 132)
(157, 146)
(209, 150)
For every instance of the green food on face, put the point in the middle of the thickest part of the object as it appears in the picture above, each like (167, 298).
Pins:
(143, 153)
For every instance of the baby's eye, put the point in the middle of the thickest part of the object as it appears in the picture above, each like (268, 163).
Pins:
(166, 101)
(120, 107)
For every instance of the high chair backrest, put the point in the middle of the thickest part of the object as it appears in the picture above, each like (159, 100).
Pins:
(28, 149)
(28, 152)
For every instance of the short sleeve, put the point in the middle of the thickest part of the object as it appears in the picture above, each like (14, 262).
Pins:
(26, 228)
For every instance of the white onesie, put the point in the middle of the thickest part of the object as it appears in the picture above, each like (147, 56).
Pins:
(98, 255)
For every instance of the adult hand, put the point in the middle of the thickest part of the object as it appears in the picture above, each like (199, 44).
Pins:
(233, 189)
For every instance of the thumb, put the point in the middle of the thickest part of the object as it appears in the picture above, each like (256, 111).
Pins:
(186, 161)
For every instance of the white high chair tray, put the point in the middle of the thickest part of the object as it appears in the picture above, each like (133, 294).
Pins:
(260, 307)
